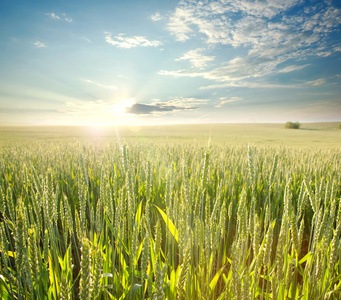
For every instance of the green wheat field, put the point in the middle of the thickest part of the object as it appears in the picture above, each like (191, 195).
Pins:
(221, 211)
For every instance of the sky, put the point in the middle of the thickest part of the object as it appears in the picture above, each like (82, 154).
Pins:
(133, 62)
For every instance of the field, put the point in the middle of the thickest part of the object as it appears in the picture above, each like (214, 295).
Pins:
(221, 211)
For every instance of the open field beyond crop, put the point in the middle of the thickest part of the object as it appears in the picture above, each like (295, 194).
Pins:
(221, 211)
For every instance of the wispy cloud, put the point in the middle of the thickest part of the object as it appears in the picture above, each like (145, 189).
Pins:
(39, 44)
(156, 17)
(63, 17)
(112, 87)
(122, 41)
(316, 82)
(197, 59)
(292, 68)
(267, 30)
(67, 19)
(226, 100)
(179, 24)
(84, 38)
(255, 84)
(53, 16)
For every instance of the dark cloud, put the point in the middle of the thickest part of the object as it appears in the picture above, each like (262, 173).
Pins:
(147, 109)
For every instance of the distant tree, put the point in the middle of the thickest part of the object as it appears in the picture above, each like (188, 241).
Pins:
(292, 125)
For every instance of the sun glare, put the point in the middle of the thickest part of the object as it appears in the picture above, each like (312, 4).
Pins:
(121, 108)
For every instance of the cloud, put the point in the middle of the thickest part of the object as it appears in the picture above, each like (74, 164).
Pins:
(39, 44)
(156, 17)
(292, 68)
(53, 16)
(268, 33)
(129, 107)
(196, 58)
(253, 84)
(316, 82)
(324, 53)
(67, 19)
(130, 42)
(84, 38)
(112, 87)
(181, 73)
(147, 109)
(187, 100)
(160, 108)
(63, 16)
(236, 69)
(226, 100)
(179, 24)
(249, 84)
(216, 19)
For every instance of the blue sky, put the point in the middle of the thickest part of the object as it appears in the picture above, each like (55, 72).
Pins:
(164, 62)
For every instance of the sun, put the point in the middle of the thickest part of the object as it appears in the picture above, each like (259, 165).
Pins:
(121, 107)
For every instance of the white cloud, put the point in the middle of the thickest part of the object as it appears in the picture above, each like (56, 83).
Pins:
(156, 17)
(197, 59)
(252, 85)
(268, 31)
(86, 39)
(39, 44)
(236, 69)
(292, 68)
(130, 42)
(183, 101)
(63, 16)
(112, 87)
(181, 73)
(316, 82)
(179, 24)
(226, 100)
(53, 16)
(324, 53)
(216, 19)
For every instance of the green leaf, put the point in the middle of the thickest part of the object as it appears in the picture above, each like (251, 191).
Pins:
(6, 286)
(215, 279)
(133, 290)
(305, 258)
(169, 223)
(138, 253)
(138, 215)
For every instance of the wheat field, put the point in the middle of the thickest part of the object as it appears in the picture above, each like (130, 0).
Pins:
(169, 219)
